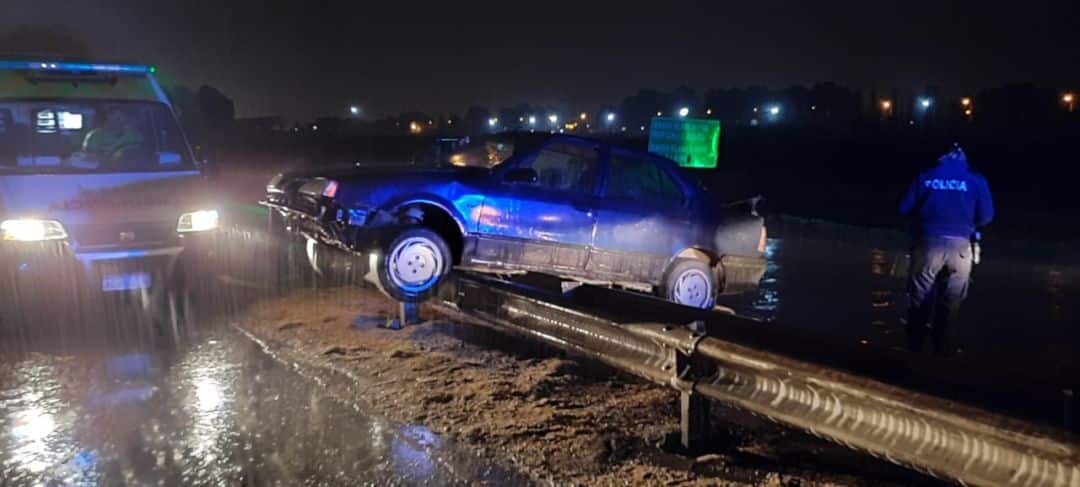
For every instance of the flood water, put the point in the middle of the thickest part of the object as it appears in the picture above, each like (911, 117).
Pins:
(105, 396)
(110, 399)
(218, 411)
(850, 283)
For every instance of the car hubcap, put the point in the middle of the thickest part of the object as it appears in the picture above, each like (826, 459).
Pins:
(693, 288)
(415, 264)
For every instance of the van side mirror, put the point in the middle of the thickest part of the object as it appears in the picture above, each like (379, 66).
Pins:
(525, 175)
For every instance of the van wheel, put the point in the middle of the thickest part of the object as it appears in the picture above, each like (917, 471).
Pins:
(691, 282)
(413, 265)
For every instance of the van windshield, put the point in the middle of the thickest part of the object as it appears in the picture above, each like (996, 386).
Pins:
(91, 136)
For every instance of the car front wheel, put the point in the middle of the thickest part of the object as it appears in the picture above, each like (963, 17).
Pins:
(691, 282)
(413, 265)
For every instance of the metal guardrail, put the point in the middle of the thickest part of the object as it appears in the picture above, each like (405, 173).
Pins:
(939, 437)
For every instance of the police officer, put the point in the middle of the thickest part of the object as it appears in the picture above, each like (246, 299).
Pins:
(947, 203)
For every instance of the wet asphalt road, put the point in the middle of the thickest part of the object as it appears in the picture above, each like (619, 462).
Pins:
(217, 411)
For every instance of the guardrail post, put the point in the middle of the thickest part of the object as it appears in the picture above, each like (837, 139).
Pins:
(694, 408)
(694, 415)
(407, 314)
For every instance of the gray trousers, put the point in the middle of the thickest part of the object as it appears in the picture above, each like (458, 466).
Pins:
(940, 273)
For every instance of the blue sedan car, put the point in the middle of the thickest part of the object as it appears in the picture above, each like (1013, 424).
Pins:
(574, 207)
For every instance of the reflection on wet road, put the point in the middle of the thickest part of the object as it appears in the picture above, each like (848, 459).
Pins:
(849, 283)
(219, 412)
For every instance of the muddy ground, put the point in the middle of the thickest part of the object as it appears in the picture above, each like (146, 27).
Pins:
(557, 419)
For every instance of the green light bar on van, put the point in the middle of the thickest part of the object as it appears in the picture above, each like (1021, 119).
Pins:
(77, 67)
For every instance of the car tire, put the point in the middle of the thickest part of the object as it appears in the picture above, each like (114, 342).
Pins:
(413, 265)
(691, 282)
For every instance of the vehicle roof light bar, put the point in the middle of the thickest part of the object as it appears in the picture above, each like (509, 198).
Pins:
(78, 67)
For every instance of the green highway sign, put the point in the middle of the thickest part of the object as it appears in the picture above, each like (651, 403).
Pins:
(688, 141)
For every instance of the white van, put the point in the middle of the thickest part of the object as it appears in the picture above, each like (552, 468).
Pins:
(99, 190)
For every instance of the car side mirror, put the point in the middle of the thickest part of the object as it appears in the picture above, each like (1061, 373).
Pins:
(525, 175)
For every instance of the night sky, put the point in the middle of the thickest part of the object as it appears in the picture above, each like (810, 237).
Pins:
(303, 59)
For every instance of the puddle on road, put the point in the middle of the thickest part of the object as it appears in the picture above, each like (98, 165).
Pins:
(220, 412)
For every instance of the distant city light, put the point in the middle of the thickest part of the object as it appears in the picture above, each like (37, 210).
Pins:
(354, 110)
(708, 111)
(755, 109)
(813, 108)
(584, 116)
(314, 127)
(521, 119)
(886, 105)
(967, 112)
(532, 120)
(450, 122)
(965, 101)
(624, 128)
(431, 122)
(642, 128)
(493, 122)
(684, 111)
(610, 117)
(553, 118)
(414, 127)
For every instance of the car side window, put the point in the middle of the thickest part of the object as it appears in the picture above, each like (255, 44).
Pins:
(565, 167)
(638, 178)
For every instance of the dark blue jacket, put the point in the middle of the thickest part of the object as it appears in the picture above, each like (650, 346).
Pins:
(949, 200)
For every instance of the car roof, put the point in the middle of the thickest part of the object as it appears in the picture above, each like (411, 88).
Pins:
(60, 80)
(589, 140)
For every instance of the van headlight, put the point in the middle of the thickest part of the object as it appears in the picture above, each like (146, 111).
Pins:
(197, 221)
(31, 230)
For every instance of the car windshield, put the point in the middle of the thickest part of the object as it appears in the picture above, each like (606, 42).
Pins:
(91, 136)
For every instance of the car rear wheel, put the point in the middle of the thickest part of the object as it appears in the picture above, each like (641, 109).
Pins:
(691, 282)
(413, 265)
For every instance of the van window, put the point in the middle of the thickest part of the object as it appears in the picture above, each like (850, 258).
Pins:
(90, 136)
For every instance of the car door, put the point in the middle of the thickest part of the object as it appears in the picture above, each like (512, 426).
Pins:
(643, 219)
(544, 224)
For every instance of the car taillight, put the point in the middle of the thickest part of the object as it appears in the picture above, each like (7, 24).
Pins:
(763, 241)
(331, 189)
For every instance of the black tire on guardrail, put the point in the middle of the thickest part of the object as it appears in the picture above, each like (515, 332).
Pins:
(414, 263)
(691, 282)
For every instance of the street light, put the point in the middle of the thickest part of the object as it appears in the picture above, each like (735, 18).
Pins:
(886, 105)
(1070, 101)
(774, 110)
(610, 117)
(659, 113)
(584, 116)
(492, 122)
(965, 102)
(553, 118)
(925, 103)
(708, 111)
(354, 110)
(683, 112)
(532, 119)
